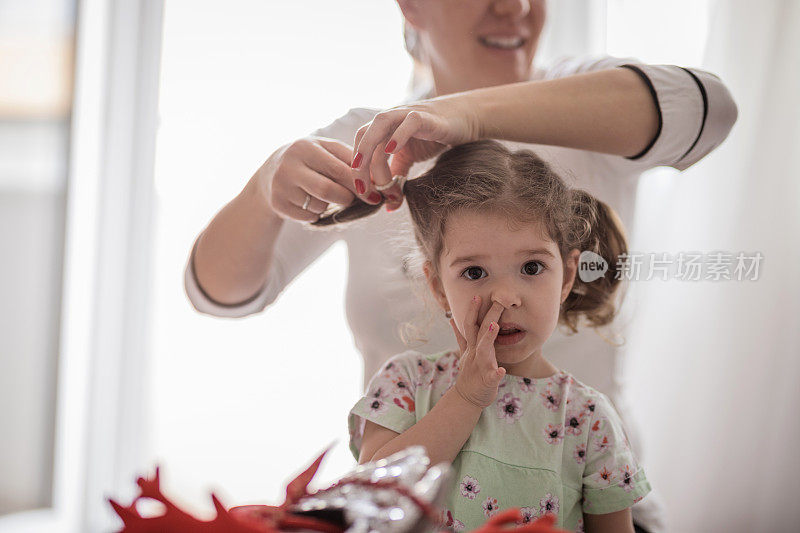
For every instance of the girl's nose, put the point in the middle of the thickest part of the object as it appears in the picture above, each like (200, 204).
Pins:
(507, 298)
(513, 8)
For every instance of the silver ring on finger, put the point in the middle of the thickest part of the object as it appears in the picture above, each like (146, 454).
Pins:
(395, 179)
(308, 201)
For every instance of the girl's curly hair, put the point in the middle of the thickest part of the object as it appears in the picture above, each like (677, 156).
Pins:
(486, 176)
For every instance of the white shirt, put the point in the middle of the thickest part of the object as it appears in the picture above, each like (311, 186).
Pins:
(696, 112)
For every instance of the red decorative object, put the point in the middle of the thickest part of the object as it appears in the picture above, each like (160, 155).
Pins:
(271, 519)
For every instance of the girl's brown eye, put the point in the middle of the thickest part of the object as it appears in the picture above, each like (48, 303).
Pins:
(473, 270)
(538, 270)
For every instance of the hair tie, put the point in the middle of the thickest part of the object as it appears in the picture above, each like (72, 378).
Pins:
(395, 179)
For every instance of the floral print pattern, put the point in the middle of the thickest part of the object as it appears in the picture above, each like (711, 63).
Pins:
(605, 475)
(554, 433)
(401, 386)
(551, 400)
(561, 378)
(529, 514)
(626, 478)
(580, 453)
(602, 443)
(425, 372)
(589, 405)
(509, 407)
(574, 422)
(446, 520)
(405, 402)
(526, 385)
(377, 397)
(378, 406)
(490, 506)
(548, 505)
(470, 487)
(441, 368)
(379, 390)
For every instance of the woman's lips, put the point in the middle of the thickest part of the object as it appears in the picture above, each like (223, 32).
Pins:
(499, 43)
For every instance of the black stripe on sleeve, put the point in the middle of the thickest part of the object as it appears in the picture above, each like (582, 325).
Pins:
(705, 111)
(205, 294)
(644, 77)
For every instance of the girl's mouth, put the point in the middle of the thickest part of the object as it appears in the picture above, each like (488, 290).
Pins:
(511, 336)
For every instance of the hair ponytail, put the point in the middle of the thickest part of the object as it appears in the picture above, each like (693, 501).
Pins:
(597, 228)
(354, 211)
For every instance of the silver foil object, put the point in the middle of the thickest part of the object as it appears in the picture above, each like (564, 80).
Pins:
(366, 500)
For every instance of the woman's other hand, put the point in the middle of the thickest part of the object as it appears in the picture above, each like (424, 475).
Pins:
(411, 133)
(313, 166)
(478, 376)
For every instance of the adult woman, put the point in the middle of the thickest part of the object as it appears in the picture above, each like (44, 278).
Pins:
(601, 124)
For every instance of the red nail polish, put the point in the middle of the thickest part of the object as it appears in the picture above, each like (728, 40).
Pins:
(356, 160)
(391, 146)
(374, 197)
(360, 187)
(391, 197)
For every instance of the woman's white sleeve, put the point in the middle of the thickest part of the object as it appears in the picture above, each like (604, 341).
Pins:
(295, 249)
(297, 245)
(695, 109)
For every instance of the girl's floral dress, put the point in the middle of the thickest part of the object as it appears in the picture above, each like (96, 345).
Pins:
(548, 445)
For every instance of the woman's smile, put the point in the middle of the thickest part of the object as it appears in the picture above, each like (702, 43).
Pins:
(513, 42)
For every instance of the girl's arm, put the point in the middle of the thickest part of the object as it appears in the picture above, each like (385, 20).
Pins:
(443, 431)
(619, 522)
(448, 425)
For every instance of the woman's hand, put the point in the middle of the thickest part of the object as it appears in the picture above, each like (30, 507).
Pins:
(413, 132)
(479, 376)
(313, 166)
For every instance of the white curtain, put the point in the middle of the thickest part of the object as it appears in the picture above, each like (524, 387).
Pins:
(713, 366)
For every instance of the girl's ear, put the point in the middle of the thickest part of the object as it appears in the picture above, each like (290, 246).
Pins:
(411, 11)
(570, 269)
(435, 285)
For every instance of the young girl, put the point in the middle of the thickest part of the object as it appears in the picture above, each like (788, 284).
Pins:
(499, 235)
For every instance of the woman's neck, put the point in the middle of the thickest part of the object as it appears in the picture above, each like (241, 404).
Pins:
(442, 87)
(444, 84)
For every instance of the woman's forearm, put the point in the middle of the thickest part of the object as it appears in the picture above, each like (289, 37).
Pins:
(610, 111)
(443, 431)
(234, 252)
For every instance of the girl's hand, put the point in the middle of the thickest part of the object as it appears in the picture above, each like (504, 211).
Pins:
(413, 132)
(315, 166)
(479, 376)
